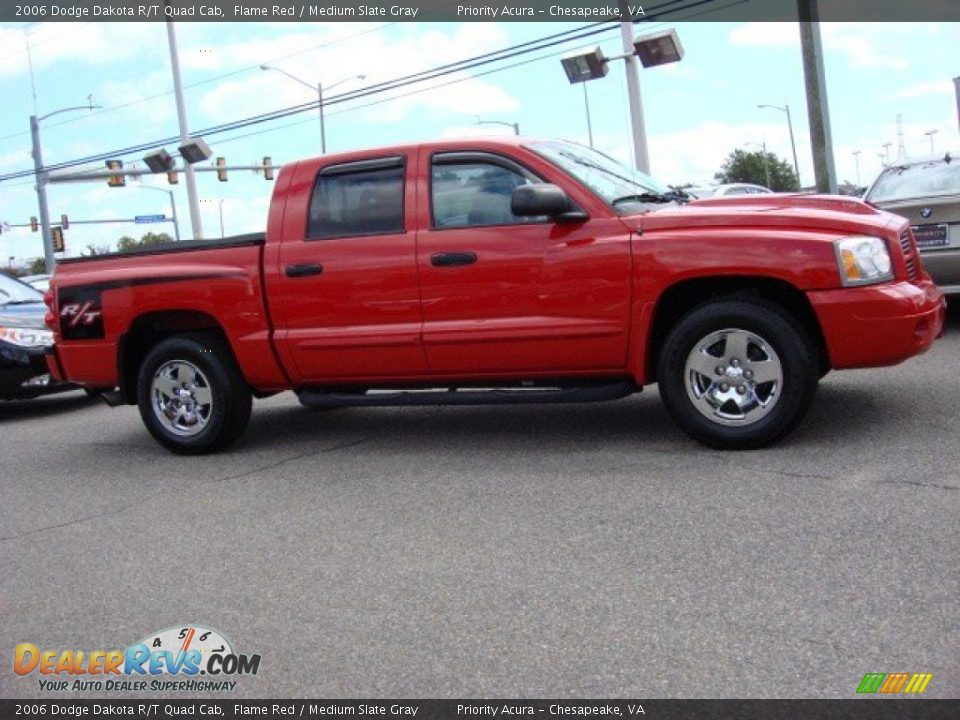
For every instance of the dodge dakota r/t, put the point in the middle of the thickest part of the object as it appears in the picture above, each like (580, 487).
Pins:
(497, 271)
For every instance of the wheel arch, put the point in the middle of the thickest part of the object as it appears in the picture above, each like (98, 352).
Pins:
(151, 328)
(684, 295)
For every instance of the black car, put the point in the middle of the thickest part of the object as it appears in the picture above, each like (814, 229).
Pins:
(23, 369)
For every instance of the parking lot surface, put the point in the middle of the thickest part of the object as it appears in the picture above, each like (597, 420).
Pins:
(538, 551)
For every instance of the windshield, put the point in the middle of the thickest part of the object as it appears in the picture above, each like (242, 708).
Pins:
(900, 182)
(625, 190)
(13, 291)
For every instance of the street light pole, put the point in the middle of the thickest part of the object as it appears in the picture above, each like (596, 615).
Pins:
(515, 126)
(173, 208)
(793, 143)
(42, 178)
(219, 202)
(631, 67)
(586, 105)
(195, 224)
(323, 128)
(930, 134)
(856, 160)
(319, 91)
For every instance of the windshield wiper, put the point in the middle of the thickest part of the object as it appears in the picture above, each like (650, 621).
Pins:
(652, 197)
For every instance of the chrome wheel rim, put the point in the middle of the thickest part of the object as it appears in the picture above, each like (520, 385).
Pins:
(182, 398)
(733, 377)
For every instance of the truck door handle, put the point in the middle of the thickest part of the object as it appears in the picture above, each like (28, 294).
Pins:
(452, 259)
(296, 271)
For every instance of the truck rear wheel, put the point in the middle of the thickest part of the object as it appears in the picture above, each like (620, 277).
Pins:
(737, 375)
(191, 395)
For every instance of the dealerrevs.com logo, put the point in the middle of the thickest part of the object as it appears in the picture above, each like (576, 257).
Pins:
(185, 658)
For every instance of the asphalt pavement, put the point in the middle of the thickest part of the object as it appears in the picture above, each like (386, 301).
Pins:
(528, 551)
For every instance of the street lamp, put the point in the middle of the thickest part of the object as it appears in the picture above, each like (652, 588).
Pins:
(319, 90)
(930, 134)
(515, 126)
(653, 49)
(173, 208)
(886, 153)
(856, 160)
(793, 144)
(42, 178)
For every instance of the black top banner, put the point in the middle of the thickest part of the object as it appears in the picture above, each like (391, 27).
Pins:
(886, 709)
(477, 10)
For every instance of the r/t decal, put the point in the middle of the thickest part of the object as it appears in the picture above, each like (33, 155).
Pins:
(80, 314)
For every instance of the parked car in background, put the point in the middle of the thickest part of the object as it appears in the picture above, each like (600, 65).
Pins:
(23, 337)
(40, 282)
(726, 189)
(926, 191)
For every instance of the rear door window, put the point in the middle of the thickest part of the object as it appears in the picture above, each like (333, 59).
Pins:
(355, 200)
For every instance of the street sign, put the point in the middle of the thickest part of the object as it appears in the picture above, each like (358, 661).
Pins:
(143, 219)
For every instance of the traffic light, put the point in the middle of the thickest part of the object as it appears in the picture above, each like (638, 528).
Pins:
(222, 169)
(34, 224)
(268, 168)
(57, 236)
(116, 180)
(65, 222)
(172, 177)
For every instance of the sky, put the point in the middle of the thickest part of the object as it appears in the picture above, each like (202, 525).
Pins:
(697, 111)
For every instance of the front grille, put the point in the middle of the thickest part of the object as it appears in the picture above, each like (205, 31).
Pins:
(910, 258)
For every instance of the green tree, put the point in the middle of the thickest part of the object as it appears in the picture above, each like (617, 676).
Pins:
(38, 266)
(128, 243)
(743, 166)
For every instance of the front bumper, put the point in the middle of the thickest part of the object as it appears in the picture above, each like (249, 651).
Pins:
(24, 373)
(879, 325)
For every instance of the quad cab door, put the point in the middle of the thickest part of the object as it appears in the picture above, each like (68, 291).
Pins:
(506, 295)
(346, 273)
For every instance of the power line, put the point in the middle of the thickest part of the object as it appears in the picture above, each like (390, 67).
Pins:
(459, 66)
(423, 76)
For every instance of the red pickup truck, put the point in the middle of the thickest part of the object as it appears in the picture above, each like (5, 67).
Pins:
(497, 271)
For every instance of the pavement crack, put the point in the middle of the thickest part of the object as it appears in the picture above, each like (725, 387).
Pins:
(284, 461)
(77, 521)
(919, 484)
(154, 496)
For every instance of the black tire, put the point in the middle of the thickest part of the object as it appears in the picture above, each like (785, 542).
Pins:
(796, 355)
(224, 418)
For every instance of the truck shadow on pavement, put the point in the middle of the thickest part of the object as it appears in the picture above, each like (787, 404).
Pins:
(636, 423)
(14, 410)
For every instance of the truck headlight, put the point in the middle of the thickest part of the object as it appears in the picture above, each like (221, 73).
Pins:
(863, 260)
(26, 337)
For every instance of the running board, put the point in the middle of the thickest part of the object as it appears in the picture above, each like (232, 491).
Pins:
(455, 396)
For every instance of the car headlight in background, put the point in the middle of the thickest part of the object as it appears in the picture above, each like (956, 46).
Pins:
(26, 337)
(863, 260)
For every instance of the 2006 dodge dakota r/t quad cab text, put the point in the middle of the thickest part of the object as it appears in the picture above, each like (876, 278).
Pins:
(497, 271)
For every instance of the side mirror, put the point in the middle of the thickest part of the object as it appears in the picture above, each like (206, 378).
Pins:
(544, 199)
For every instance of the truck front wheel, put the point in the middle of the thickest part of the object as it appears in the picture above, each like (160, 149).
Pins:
(737, 374)
(192, 397)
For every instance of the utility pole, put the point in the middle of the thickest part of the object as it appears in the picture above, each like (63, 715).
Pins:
(195, 224)
(631, 67)
(818, 111)
(41, 177)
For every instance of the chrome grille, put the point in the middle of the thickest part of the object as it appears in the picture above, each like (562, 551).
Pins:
(910, 258)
